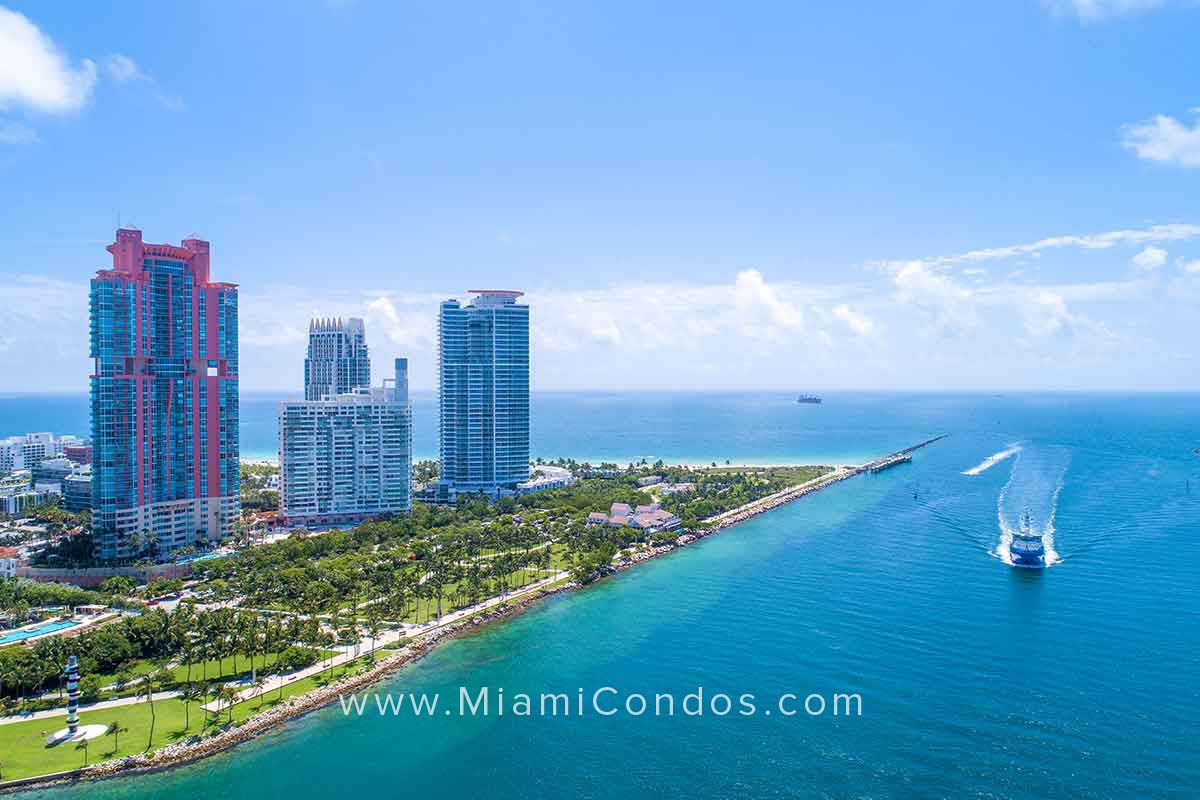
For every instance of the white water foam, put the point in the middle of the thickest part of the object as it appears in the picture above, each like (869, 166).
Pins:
(1003, 550)
(1052, 556)
(993, 460)
(1029, 490)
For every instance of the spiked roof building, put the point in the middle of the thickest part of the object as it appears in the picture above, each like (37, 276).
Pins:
(338, 361)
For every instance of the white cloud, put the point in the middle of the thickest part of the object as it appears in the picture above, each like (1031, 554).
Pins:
(922, 322)
(1092, 10)
(856, 321)
(123, 69)
(1172, 232)
(1164, 140)
(35, 74)
(17, 133)
(1092, 241)
(753, 295)
(949, 306)
(1046, 314)
(1150, 259)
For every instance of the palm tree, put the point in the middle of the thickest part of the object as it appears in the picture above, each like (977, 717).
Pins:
(213, 690)
(189, 694)
(115, 729)
(229, 695)
(259, 684)
(373, 627)
(84, 747)
(278, 671)
(146, 687)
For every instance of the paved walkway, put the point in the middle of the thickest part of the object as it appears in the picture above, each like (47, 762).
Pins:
(345, 654)
(83, 709)
(348, 653)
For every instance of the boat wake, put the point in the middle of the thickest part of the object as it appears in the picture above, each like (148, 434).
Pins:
(1037, 479)
(993, 460)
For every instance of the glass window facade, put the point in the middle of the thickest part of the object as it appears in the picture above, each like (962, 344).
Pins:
(483, 393)
(164, 411)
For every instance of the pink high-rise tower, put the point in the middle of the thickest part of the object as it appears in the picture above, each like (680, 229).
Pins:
(164, 398)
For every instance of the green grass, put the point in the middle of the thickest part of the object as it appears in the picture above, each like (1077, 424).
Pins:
(202, 672)
(425, 609)
(23, 752)
(790, 475)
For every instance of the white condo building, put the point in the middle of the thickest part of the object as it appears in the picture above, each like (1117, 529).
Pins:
(25, 452)
(347, 457)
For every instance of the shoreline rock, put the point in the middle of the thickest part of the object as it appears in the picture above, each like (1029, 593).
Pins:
(196, 748)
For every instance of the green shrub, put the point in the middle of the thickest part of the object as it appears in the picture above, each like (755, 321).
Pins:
(295, 657)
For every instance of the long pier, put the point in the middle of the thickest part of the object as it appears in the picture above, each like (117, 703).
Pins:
(898, 457)
(753, 509)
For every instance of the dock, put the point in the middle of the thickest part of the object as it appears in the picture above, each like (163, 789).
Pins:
(889, 462)
(899, 457)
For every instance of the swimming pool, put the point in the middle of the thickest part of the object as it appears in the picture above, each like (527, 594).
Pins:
(40, 630)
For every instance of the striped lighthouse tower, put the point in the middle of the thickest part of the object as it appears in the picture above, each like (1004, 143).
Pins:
(72, 675)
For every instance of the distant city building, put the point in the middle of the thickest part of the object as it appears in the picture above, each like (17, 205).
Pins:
(164, 399)
(31, 449)
(77, 491)
(483, 393)
(18, 498)
(78, 453)
(546, 477)
(25, 452)
(52, 470)
(337, 361)
(648, 518)
(347, 457)
(10, 558)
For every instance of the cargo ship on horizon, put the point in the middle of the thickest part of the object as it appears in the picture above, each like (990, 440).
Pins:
(809, 399)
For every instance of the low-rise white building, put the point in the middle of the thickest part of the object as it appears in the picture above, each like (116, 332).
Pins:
(546, 477)
(18, 494)
(24, 452)
(10, 557)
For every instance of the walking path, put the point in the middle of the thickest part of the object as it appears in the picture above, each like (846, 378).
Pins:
(348, 653)
(62, 712)
(345, 654)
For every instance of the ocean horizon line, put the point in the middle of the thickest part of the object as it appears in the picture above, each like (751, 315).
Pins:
(7, 393)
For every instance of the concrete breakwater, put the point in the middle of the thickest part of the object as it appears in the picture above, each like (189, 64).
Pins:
(762, 505)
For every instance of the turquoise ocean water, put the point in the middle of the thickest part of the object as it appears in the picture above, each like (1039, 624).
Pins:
(977, 680)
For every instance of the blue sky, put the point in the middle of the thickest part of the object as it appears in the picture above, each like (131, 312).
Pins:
(937, 195)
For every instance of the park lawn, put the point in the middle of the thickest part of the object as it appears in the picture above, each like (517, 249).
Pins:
(558, 557)
(425, 609)
(792, 475)
(202, 672)
(248, 708)
(23, 751)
